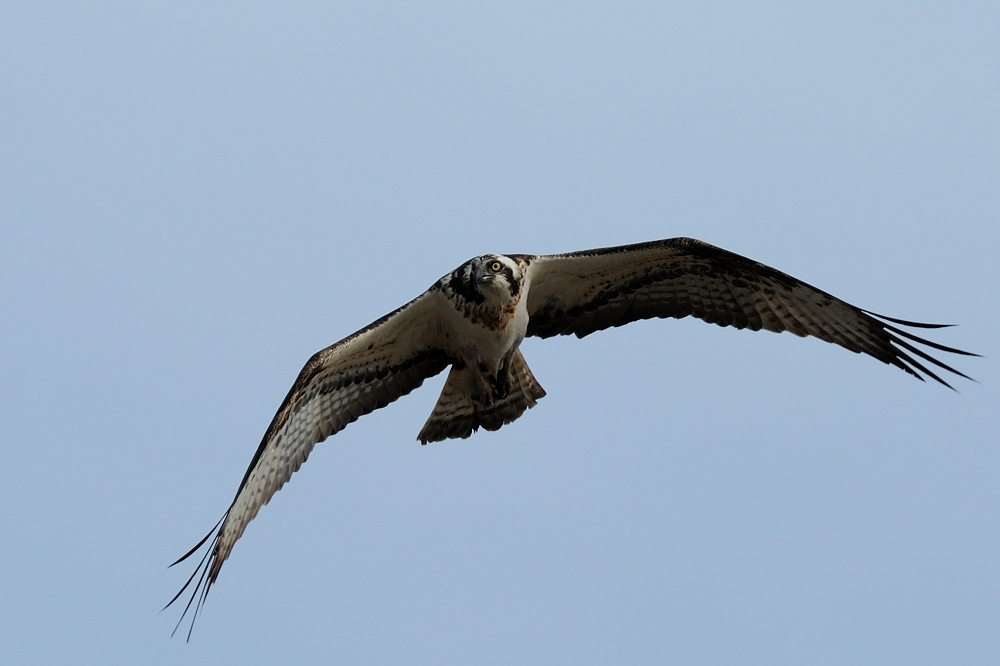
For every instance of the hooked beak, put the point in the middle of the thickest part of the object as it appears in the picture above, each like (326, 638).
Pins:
(481, 277)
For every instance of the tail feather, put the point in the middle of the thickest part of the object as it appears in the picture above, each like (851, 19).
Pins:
(456, 415)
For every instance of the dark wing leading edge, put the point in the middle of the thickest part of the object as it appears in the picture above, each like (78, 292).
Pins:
(589, 291)
(361, 373)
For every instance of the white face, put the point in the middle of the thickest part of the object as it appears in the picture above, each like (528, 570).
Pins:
(497, 277)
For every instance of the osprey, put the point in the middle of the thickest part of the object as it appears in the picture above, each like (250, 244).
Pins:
(474, 320)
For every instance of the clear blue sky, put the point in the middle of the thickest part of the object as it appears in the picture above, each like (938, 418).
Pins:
(195, 199)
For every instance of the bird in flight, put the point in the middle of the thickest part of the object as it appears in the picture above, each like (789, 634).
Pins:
(474, 320)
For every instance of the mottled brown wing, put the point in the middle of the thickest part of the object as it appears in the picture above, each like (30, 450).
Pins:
(361, 373)
(589, 291)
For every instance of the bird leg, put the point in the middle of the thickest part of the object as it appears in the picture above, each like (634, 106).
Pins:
(484, 391)
(489, 388)
(501, 384)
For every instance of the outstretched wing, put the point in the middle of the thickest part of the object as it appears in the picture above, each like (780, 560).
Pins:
(361, 373)
(589, 291)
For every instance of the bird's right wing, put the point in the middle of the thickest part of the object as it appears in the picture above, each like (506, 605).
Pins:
(363, 372)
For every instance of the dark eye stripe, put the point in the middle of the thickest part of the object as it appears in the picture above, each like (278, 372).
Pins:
(511, 282)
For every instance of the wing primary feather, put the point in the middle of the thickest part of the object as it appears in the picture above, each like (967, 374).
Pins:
(201, 587)
(201, 600)
(200, 604)
(899, 360)
(197, 546)
(181, 591)
(928, 357)
(194, 594)
(916, 364)
(929, 343)
(914, 324)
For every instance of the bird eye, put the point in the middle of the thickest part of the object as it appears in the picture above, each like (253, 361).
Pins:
(495, 266)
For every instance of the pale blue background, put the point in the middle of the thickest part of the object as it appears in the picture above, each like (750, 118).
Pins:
(193, 200)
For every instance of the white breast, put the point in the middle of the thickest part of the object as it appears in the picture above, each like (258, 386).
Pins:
(480, 345)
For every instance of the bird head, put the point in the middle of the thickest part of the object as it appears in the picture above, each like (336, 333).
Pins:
(496, 277)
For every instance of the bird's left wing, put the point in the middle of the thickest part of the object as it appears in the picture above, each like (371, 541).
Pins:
(583, 292)
(363, 372)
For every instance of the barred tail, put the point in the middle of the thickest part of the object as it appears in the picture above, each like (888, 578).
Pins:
(456, 415)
